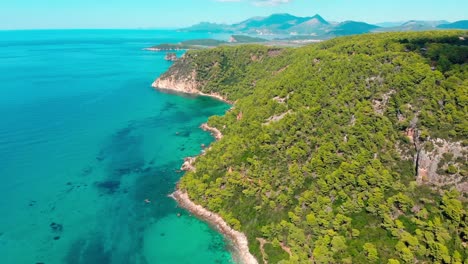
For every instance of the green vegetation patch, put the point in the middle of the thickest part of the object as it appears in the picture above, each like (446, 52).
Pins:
(315, 153)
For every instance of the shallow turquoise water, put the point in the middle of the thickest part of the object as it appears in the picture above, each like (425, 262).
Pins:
(84, 140)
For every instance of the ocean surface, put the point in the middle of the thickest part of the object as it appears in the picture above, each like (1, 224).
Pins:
(85, 140)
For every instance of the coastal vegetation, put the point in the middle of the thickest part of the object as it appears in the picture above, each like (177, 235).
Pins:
(324, 154)
(246, 39)
(205, 43)
(188, 44)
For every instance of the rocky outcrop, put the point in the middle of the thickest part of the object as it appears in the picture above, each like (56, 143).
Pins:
(438, 162)
(178, 83)
(238, 239)
(182, 78)
(214, 131)
(188, 164)
(170, 56)
(380, 104)
(441, 163)
(277, 118)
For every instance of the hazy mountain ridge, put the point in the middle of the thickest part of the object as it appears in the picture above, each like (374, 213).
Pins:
(462, 24)
(317, 26)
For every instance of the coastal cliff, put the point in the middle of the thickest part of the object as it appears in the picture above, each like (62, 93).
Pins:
(177, 83)
(182, 78)
(352, 150)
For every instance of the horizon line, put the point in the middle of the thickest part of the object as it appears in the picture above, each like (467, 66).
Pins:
(220, 23)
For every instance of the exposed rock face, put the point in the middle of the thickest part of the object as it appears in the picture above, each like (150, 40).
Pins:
(239, 116)
(434, 160)
(178, 83)
(182, 78)
(214, 131)
(277, 118)
(188, 164)
(170, 56)
(380, 105)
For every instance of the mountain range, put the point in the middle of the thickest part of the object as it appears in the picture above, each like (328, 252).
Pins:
(317, 26)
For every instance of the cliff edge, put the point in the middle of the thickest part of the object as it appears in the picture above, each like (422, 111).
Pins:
(182, 78)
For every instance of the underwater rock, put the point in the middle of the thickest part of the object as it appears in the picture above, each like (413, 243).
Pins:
(56, 227)
(87, 171)
(108, 187)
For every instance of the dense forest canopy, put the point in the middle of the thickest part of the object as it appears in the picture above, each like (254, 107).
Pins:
(323, 151)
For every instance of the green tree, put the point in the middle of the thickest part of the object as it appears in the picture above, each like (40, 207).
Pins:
(371, 252)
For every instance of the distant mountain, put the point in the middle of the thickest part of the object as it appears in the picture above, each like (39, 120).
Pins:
(316, 26)
(462, 24)
(390, 24)
(352, 28)
(245, 39)
(416, 25)
(277, 23)
(422, 25)
(207, 27)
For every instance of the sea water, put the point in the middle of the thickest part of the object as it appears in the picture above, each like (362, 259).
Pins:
(85, 140)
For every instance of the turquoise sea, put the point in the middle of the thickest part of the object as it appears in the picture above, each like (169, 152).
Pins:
(84, 140)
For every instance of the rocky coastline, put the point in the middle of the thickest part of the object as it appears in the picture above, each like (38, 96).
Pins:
(189, 85)
(214, 131)
(238, 239)
(164, 49)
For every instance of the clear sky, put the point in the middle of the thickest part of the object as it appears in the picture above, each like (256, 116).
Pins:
(33, 14)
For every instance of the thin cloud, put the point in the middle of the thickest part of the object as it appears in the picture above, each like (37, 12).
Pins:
(260, 2)
(271, 2)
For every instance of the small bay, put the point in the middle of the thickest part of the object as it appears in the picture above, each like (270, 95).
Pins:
(85, 140)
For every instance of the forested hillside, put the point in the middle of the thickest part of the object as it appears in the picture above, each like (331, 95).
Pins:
(353, 150)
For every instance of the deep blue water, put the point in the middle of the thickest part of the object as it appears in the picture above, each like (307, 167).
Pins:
(84, 140)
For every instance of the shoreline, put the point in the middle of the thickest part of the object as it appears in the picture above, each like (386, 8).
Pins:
(158, 85)
(163, 49)
(214, 131)
(238, 239)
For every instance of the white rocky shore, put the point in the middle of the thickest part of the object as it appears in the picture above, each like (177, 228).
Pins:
(238, 239)
(214, 131)
(189, 85)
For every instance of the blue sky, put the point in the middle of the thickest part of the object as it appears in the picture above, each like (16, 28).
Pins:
(33, 14)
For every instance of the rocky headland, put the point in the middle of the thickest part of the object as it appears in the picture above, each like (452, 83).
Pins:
(183, 79)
